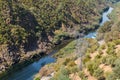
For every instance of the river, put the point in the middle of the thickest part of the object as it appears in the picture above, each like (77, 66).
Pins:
(104, 19)
(28, 72)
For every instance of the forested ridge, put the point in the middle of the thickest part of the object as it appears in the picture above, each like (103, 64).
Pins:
(28, 25)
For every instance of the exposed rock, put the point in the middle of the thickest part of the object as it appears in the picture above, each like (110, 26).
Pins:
(74, 77)
(46, 71)
(47, 77)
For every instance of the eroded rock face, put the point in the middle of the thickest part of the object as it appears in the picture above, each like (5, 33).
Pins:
(7, 58)
(46, 71)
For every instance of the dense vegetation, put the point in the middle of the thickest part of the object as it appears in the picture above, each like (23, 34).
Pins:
(37, 19)
(29, 25)
(101, 61)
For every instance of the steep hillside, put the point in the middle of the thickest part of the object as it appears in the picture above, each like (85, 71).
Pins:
(100, 61)
(28, 27)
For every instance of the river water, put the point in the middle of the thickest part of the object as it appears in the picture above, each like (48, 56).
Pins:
(28, 72)
(104, 19)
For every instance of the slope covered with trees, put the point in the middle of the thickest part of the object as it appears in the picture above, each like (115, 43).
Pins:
(101, 61)
(28, 27)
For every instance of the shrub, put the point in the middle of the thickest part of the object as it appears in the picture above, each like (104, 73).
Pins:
(100, 51)
(37, 78)
(57, 67)
(107, 73)
(98, 73)
(111, 45)
(98, 56)
(71, 64)
(110, 50)
(66, 50)
(74, 69)
(116, 71)
(103, 46)
(93, 45)
(109, 60)
(103, 60)
(67, 60)
(86, 59)
(117, 41)
(91, 66)
(93, 48)
(62, 74)
(81, 75)
(60, 36)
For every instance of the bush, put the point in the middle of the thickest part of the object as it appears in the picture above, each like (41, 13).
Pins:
(98, 73)
(71, 64)
(86, 59)
(57, 67)
(116, 71)
(100, 51)
(92, 66)
(66, 50)
(81, 75)
(37, 78)
(111, 45)
(59, 37)
(93, 48)
(98, 57)
(93, 45)
(109, 60)
(103, 60)
(74, 69)
(111, 48)
(62, 74)
(67, 60)
(103, 46)
(117, 42)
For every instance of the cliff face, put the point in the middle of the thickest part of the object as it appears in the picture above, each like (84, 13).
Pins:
(27, 26)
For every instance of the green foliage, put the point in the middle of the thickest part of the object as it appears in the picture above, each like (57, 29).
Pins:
(103, 46)
(93, 45)
(98, 56)
(111, 48)
(60, 37)
(116, 71)
(98, 73)
(109, 60)
(82, 75)
(32, 20)
(62, 74)
(106, 27)
(86, 58)
(92, 66)
(100, 51)
(66, 50)
(37, 78)
(117, 42)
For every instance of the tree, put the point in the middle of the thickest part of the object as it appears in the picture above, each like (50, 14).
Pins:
(116, 71)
